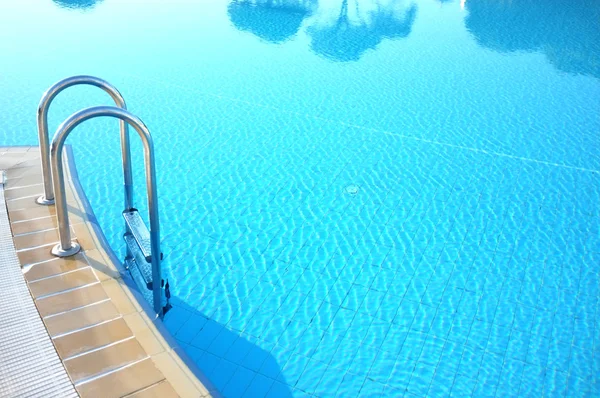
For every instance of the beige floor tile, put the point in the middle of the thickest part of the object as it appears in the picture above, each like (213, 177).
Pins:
(152, 344)
(18, 149)
(24, 181)
(81, 318)
(104, 360)
(91, 338)
(25, 192)
(27, 160)
(21, 172)
(36, 239)
(70, 300)
(29, 226)
(19, 204)
(119, 298)
(57, 265)
(178, 379)
(28, 214)
(159, 390)
(6, 150)
(83, 236)
(104, 268)
(135, 322)
(123, 382)
(46, 220)
(55, 284)
(36, 255)
(182, 367)
(42, 238)
(76, 216)
(9, 160)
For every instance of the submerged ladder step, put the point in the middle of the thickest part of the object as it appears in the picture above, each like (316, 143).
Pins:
(139, 232)
(138, 260)
(133, 266)
(140, 280)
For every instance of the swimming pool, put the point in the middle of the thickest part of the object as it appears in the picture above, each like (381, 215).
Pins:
(357, 198)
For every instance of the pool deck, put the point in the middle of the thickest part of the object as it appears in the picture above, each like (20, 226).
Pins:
(106, 342)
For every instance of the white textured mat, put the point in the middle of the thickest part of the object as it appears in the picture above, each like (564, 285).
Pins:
(29, 364)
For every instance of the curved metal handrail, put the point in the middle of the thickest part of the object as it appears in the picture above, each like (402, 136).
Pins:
(42, 122)
(66, 247)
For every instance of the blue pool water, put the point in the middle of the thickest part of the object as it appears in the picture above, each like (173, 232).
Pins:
(357, 197)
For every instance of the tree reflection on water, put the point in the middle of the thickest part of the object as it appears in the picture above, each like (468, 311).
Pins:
(567, 31)
(340, 31)
(77, 4)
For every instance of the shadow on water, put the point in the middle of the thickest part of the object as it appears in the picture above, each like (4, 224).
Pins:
(566, 31)
(223, 358)
(347, 40)
(231, 362)
(272, 20)
(77, 4)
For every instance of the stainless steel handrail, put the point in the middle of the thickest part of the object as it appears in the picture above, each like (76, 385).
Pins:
(66, 247)
(42, 122)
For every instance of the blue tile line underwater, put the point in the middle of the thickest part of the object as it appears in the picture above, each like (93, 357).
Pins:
(358, 197)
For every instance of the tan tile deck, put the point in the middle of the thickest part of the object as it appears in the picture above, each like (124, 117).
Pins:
(108, 345)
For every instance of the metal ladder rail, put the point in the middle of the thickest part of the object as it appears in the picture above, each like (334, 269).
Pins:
(42, 123)
(66, 247)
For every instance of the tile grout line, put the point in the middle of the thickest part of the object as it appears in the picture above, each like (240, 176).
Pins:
(86, 327)
(114, 343)
(22, 186)
(101, 375)
(67, 291)
(60, 274)
(38, 247)
(35, 232)
(31, 219)
(141, 390)
(27, 267)
(77, 308)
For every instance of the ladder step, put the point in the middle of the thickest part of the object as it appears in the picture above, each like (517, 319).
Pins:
(139, 279)
(133, 266)
(139, 231)
(138, 260)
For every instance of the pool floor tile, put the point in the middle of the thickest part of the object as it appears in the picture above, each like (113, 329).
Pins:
(350, 384)
(310, 378)
(258, 387)
(242, 379)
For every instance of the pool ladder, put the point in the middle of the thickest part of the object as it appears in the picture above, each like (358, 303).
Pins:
(143, 245)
